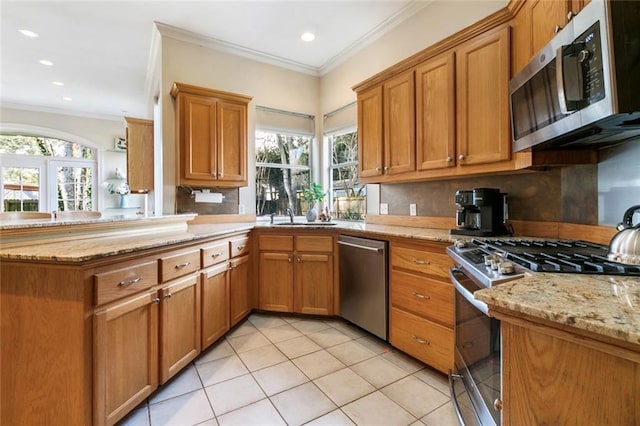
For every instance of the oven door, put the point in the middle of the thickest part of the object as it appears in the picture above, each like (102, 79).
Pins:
(475, 385)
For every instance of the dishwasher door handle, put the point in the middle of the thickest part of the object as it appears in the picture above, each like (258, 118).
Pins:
(376, 249)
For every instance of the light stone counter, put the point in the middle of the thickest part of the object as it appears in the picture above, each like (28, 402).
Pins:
(602, 304)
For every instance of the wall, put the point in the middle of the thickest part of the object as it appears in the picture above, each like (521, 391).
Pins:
(268, 85)
(618, 182)
(95, 132)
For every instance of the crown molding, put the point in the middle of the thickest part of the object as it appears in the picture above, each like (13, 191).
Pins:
(60, 111)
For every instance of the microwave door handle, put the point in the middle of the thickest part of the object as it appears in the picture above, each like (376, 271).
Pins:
(568, 64)
(562, 99)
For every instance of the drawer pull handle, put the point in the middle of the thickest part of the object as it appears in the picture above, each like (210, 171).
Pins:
(421, 296)
(214, 255)
(240, 247)
(421, 262)
(155, 300)
(182, 265)
(467, 345)
(129, 282)
(419, 340)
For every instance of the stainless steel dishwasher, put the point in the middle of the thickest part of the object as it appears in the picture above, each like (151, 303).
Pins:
(364, 283)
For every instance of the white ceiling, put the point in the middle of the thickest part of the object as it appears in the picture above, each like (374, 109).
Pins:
(100, 49)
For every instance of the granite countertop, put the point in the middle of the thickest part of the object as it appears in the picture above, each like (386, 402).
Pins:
(602, 304)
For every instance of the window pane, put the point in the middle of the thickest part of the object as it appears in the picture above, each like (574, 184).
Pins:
(41, 146)
(345, 148)
(21, 190)
(349, 197)
(278, 189)
(282, 149)
(74, 188)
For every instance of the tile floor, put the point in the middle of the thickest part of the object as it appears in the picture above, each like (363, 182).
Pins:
(282, 370)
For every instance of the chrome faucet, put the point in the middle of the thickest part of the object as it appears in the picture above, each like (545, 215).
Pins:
(290, 213)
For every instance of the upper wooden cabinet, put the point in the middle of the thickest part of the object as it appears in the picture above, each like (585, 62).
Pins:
(211, 134)
(139, 154)
(370, 138)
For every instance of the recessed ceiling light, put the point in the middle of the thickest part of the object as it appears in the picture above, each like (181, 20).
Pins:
(57, 83)
(28, 33)
(308, 36)
(67, 98)
(46, 62)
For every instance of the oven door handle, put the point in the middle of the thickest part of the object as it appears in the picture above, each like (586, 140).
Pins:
(481, 306)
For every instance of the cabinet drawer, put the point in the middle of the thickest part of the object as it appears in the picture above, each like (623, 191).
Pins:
(179, 263)
(420, 260)
(117, 283)
(215, 253)
(239, 246)
(314, 243)
(429, 342)
(276, 242)
(429, 298)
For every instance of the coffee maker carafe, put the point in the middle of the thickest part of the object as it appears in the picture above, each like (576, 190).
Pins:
(480, 212)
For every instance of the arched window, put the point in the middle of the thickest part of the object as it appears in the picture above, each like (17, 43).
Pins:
(46, 174)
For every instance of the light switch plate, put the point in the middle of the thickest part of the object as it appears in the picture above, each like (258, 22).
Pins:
(240, 208)
(384, 208)
(412, 210)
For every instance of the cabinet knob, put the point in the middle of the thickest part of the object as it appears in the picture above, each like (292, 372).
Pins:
(497, 404)
(168, 296)
(378, 169)
(449, 159)
(299, 260)
(461, 157)
(289, 259)
(557, 29)
(155, 300)
(386, 168)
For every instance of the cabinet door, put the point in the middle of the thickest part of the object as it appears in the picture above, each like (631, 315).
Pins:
(370, 132)
(198, 150)
(215, 304)
(232, 142)
(435, 113)
(521, 43)
(239, 291)
(399, 124)
(179, 325)
(546, 16)
(126, 356)
(314, 284)
(139, 154)
(482, 68)
(276, 281)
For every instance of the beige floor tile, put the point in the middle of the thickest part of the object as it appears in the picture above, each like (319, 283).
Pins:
(186, 381)
(188, 409)
(443, 416)
(259, 413)
(434, 378)
(220, 370)
(377, 409)
(351, 352)
(233, 394)
(374, 344)
(329, 337)
(281, 333)
(264, 356)
(334, 418)
(242, 329)
(212, 422)
(279, 378)
(221, 349)
(407, 363)
(378, 371)
(350, 330)
(290, 319)
(308, 326)
(297, 347)
(318, 364)
(417, 423)
(248, 342)
(138, 417)
(344, 386)
(266, 321)
(302, 403)
(415, 396)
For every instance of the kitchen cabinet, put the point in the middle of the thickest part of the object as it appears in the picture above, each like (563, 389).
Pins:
(240, 289)
(296, 273)
(215, 292)
(553, 376)
(140, 168)
(421, 302)
(211, 134)
(370, 137)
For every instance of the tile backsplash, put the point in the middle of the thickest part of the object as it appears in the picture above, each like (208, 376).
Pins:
(186, 203)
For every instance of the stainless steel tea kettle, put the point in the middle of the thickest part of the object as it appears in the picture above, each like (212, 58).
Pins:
(625, 245)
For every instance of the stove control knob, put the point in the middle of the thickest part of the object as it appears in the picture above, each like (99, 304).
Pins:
(459, 243)
(506, 268)
(487, 259)
(495, 263)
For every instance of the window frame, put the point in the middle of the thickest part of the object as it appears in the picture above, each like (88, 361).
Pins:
(332, 166)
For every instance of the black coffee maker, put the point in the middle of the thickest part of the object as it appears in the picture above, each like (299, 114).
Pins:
(481, 212)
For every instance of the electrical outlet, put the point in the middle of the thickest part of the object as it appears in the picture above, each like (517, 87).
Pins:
(412, 210)
(384, 208)
(240, 208)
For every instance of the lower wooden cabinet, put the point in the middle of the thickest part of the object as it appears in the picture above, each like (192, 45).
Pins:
(239, 289)
(180, 339)
(215, 303)
(125, 356)
(276, 278)
(314, 284)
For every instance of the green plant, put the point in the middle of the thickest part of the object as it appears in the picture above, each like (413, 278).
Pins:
(313, 193)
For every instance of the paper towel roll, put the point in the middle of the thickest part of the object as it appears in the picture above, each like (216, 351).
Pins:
(209, 197)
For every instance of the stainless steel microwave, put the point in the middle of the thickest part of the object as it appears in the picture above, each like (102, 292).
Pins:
(583, 88)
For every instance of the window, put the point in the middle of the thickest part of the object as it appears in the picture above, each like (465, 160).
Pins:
(45, 174)
(283, 160)
(282, 171)
(347, 194)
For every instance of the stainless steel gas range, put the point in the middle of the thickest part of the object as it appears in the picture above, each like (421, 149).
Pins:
(480, 263)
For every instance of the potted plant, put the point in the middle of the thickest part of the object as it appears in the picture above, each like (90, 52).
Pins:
(311, 195)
